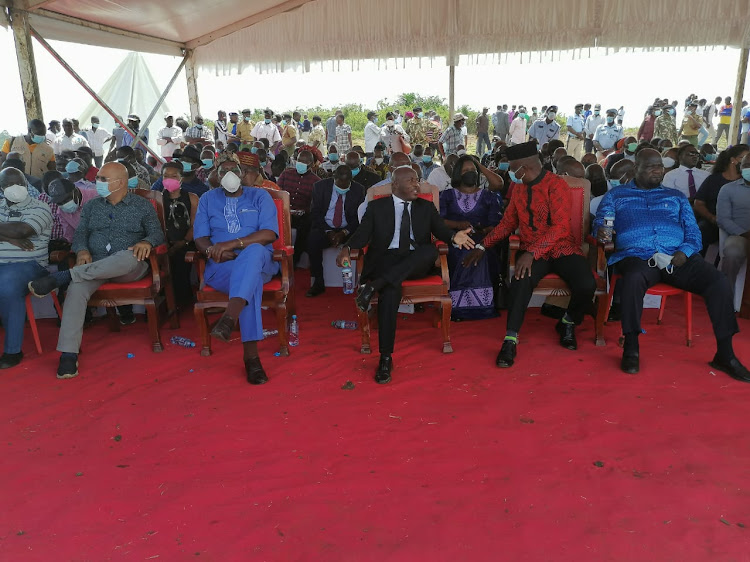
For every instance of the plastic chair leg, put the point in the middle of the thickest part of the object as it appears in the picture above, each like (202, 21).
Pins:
(661, 309)
(32, 323)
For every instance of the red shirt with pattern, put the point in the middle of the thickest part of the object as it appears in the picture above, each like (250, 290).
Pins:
(540, 211)
(299, 186)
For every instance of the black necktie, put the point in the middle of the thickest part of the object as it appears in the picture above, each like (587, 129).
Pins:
(404, 241)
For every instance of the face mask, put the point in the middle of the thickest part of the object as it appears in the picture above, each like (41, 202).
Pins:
(657, 112)
(597, 112)
(610, 119)
(745, 174)
(461, 152)
(133, 182)
(333, 157)
(632, 146)
(710, 157)
(503, 166)
(231, 182)
(514, 178)
(420, 114)
(614, 183)
(254, 150)
(662, 261)
(171, 184)
(70, 207)
(390, 122)
(378, 161)
(355, 171)
(199, 127)
(551, 115)
(94, 126)
(301, 168)
(102, 188)
(247, 119)
(16, 193)
(267, 121)
(37, 139)
(469, 178)
(283, 123)
(668, 162)
(426, 159)
(262, 163)
(670, 111)
(339, 190)
(208, 163)
(72, 167)
(522, 115)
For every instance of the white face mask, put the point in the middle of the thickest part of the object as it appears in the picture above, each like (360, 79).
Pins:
(662, 261)
(16, 193)
(667, 162)
(551, 115)
(231, 182)
(390, 122)
(378, 161)
(461, 152)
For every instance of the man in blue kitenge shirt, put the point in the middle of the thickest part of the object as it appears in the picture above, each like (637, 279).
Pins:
(658, 240)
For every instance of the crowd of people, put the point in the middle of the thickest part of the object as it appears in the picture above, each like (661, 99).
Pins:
(666, 194)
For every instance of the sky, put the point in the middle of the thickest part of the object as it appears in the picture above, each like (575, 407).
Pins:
(632, 79)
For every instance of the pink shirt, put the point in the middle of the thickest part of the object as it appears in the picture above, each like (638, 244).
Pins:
(69, 221)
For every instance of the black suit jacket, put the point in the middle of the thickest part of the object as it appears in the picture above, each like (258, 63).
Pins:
(379, 224)
(321, 199)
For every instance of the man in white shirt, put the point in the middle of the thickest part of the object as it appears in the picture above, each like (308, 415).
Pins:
(266, 129)
(607, 135)
(53, 131)
(576, 135)
(68, 140)
(97, 137)
(170, 137)
(391, 133)
(709, 113)
(687, 178)
(592, 123)
(198, 133)
(441, 176)
(372, 133)
(517, 130)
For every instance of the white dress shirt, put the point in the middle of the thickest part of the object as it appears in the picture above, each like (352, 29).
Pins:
(372, 136)
(73, 142)
(269, 131)
(592, 123)
(440, 178)
(96, 140)
(678, 179)
(169, 146)
(398, 206)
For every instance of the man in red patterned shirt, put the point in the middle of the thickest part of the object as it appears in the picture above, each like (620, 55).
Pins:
(540, 211)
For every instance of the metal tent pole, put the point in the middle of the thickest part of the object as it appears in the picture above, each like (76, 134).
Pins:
(739, 89)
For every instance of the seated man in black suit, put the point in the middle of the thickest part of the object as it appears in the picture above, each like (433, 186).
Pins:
(398, 231)
(333, 218)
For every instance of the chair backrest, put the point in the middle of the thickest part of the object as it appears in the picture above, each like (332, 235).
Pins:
(580, 217)
(427, 191)
(157, 201)
(281, 200)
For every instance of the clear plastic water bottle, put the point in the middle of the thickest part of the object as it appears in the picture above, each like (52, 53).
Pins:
(348, 278)
(345, 324)
(183, 342)
(294, 332)
(607, 229)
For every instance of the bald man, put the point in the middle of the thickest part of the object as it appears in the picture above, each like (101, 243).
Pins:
(112, 243)
(569, 166)
(398, 231)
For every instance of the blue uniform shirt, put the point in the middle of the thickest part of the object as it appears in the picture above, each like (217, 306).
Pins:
(648, 221)
(543, 131)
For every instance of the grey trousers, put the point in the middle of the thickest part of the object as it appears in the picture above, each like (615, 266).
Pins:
(735, 255)
(121, 267)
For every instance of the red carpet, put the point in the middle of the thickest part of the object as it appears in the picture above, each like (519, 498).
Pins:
(174, 456)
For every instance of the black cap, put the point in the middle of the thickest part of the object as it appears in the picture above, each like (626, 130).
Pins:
(190, 153)
(523, 150)
(60, 191)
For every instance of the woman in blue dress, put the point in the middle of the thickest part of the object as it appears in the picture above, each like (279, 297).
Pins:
(467, 205)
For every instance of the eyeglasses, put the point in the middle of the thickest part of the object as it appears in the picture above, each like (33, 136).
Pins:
(225, 171)
(102, 178)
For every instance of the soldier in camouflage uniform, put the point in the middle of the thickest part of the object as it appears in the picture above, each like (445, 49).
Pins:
(417, 128)
(664, 125)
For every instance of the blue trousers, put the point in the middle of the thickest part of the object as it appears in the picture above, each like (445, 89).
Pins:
(244, 277)
(14, 278)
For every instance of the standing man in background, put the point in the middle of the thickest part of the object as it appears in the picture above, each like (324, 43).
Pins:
(576, 136)
(592, 123)
(483, 131)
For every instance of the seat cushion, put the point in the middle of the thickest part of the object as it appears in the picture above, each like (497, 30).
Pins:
(144, 283)
(273, 285)
(424, 282)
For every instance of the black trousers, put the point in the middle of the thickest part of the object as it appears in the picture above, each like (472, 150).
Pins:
(574, 270)
(317, 241)
(302, 224)
(394, 268)
(696, 275)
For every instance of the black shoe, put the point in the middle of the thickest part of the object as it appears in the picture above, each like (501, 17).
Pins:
(255, 372)
(733, 368)
(43, 286)
(8, 360)
(567, 335)
(383, 374)
(615, 314)
(507, 354)
(316, 289)
(127, 318)
(68, 367)
(630, 363)
(364, 296)
(223, 328)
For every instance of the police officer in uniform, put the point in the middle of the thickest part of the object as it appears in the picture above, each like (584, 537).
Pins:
(607, 135)
(546, 128)
(576, 135)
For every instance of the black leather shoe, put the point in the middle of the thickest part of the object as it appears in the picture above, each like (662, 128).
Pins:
(615, 315)
(8, 360)
(364, 296)
(223, 328)
(255, 372)
(383, 374)
(733, 368)
(316, 289)
(507, 354)
(68, 367)
(630, 363)
(552, 311)
(567, 335)
(43, 286)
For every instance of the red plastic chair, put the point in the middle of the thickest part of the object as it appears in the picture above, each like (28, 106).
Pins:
(32, 319)
(663, 290)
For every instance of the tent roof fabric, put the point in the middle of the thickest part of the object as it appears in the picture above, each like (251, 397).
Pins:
(230, 36)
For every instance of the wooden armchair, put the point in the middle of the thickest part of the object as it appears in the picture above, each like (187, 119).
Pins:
(552, 284)
(433, 288)
(150, 291)
(278, 293)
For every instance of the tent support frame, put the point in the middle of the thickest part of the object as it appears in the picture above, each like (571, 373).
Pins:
(32, 100)
(191, 75)
(739, 88)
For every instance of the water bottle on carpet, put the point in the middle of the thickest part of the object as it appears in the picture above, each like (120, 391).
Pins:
(294, 332)
(348, 278)
(344, 324)
(183, 342)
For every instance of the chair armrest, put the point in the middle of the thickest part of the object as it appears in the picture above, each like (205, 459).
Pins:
(161, 249)
(442, 247)
(153, 260)
(355, 254)
(606, 246)
(514, 242)
(200, 263)
(279, 254)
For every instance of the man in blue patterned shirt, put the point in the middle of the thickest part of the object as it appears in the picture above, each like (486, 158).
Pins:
(658, 240)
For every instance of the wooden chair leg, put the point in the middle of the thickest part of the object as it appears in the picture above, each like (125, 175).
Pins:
(610, 296)
(152, 315)
(202, 321)
(447, 305)
(689, 317)
(661, 309)
(364, 330)
(32, 324)
(602, 311)
(174, 318)
(282, 322)
(114, 320)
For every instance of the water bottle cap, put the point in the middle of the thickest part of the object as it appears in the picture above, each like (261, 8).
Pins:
(294, 316)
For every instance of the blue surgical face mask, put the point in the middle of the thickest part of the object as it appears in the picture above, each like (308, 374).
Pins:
(610, 119)
(37, 139)
(657, 112)
(333, 157)
(745, 174)
(187, 167)
(262, 163)
(133, 182)
(355, 171)
(426, 159)
(208, 163)
(72, 167)
(267, 121)
(503, 166)
(102, 188)
(614, 183)
(69, 207)
(420, 114)
(301, 168)
(283, 122)
(597, 112)
(670, 111)
(339, 190)
(254, 149)
(514, 178)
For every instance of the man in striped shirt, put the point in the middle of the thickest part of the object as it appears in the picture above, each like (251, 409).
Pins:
(25, 226)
